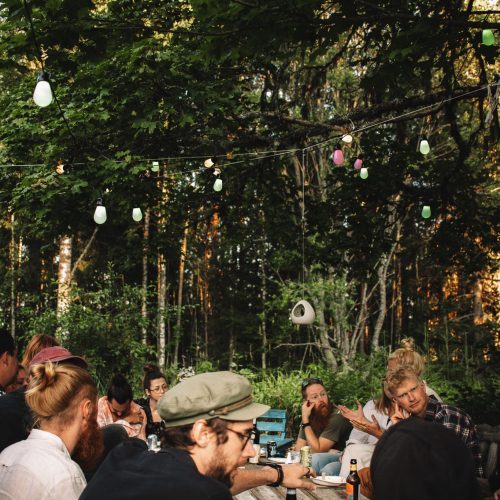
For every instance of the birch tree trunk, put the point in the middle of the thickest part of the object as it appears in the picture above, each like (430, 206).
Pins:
(13, 276)
(178, 325)
(162, 294)
(64, 281)
(145, 254)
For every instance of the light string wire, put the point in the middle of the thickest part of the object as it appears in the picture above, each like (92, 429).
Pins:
(260, 155)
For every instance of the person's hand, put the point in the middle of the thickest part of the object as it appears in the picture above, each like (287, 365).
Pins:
(365, 425)
(357, 415)
(496, 495)
(293, 476)
(307, 408)
(134, 418)
(399, 414)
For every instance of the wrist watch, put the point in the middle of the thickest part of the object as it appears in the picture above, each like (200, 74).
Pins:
(280, 474)
(305, 424)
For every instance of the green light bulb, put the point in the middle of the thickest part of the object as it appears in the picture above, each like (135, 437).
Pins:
(488, 37)
(426, 211)
(363, 173)
(155, 166)
(424, 147)
(218, 185)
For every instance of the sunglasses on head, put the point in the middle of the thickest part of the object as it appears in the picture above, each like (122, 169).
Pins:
(310, 381)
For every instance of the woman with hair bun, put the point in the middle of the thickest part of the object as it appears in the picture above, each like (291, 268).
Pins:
(63, 399)
(118, 407)
(155, 385)
(406, 355)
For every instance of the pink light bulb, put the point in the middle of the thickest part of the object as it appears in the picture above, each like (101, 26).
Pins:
(358, 163)
(338, 156)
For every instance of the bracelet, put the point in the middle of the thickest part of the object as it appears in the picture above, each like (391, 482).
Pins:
(280, 474)
(303, 425)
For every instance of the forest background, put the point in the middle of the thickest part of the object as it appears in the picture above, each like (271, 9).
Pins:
(266, 89)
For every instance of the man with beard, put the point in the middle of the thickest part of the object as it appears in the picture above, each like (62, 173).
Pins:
(8, 360)
(63, 399)
(322, 428)
(208, 431)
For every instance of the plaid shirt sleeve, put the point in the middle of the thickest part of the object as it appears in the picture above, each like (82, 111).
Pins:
(461, 424)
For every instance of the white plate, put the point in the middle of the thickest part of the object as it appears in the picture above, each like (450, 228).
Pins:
(329, 480)
(277, 460)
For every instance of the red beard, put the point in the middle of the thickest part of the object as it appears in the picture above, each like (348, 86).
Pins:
(90, 447)
(320, 416)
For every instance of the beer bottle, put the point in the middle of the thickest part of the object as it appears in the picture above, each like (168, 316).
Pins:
(291, 494)
(256, 432)
(352, 482)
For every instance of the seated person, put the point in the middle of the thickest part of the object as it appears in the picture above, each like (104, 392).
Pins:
(117, 407)
(155, 385)
(416, 459)
(323, 428)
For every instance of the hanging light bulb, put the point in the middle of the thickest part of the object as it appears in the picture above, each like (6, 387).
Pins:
(100, 212)
(424, 146)
(347, 138)
(208, 163)
(155, 166)
(338, 156)
(43, 93)
(426, 211)
(218, 185)
(358, 162)
(60, 168)
(363, 173)
(136, 214)
(488, 37)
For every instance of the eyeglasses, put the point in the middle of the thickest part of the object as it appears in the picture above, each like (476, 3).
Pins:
(244, 437)
(162, 388)
(406, 395)
(310, 381)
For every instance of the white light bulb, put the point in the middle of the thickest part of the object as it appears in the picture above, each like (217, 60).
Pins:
(100, 213)
(155, 166)
(347, 138)
(363, 173)
(42, 94)
(424, 147)
(137, 214)
(218, 185)
(208, 163)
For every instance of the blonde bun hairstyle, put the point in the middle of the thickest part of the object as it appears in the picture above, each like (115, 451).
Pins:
(407, 356)
(55, 391)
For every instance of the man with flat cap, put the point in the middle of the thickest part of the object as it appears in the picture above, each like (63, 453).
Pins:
(208, 430)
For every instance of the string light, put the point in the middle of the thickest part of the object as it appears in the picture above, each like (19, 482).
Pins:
(208, 163)
(155, 166)
(358, 162)
(424, 146)
(347, 138)
(338, 156)
(488, 37)
(363, 173)
(218, 181)
(426, 211)
(137, 214)
(100, 212)
(43, 93)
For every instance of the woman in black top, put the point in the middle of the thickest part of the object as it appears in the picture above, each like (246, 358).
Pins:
(155, 385)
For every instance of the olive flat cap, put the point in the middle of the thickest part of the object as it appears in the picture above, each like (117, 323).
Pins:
(222, 395)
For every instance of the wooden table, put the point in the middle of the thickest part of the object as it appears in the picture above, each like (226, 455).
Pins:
(270, 493)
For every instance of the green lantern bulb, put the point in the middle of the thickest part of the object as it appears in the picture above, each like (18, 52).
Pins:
(426, 211)
(488, 37)
(155, 166)
(424, 147)
(218, 185)
(363, 173)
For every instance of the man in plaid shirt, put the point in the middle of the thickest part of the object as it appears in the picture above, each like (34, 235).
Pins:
(408, 392)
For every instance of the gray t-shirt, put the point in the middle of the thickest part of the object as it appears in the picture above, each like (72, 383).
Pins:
(337, 429)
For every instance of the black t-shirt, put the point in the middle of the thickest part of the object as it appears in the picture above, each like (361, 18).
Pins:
(15, 418)
(131, 473)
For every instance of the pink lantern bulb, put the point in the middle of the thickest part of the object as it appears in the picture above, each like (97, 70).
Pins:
(338, 156)
(358, 163)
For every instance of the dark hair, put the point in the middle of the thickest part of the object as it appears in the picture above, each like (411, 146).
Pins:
(7, 343)
(179, 437)
(120, 389)
(151, 372)
(307, 382)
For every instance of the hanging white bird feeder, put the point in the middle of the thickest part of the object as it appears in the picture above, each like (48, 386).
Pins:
(302, 313)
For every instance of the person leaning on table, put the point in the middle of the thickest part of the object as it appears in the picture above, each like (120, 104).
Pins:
(208, 429)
